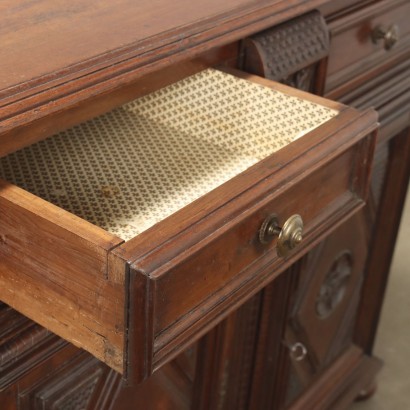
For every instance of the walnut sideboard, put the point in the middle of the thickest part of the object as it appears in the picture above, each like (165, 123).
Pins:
(198, 202)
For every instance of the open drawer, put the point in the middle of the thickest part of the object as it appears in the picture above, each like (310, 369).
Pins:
(133, 234)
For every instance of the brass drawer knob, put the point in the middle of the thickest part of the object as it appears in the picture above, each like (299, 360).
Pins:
(298, 351)
(389, 35)
(289, 235)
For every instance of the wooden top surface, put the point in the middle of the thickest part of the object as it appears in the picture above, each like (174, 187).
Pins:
(42, 37)
(54, 48)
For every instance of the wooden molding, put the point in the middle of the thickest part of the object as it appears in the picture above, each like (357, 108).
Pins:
(286, 49)
(23, 345)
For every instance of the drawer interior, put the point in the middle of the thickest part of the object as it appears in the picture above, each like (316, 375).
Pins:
(127, 170)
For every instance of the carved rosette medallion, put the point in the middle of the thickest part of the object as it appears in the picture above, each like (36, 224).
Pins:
(334, 286)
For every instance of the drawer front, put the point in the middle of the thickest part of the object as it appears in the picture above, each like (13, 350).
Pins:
(314, 198)
(186, 286)
(389, 94)
(368, 38)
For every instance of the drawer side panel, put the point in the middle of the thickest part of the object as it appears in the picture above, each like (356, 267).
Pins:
(53, 270)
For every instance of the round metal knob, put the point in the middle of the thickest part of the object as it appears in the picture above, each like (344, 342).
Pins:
(289, 235)
(298, 351)
(389, 35)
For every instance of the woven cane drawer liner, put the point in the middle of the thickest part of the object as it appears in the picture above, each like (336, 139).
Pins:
(129, 169)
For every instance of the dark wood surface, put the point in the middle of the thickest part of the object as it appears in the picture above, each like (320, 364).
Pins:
(326, 301)
(54, 268)
(384, 229)
(353, 52)
(108, 48)
(181, 317)
(88, 36)
(270, 382)
(223, 345)
(107, 33)
(88, 311)
(338, 386)
(288, 48)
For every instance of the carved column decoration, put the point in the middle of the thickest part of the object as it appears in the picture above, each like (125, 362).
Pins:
(290, 52)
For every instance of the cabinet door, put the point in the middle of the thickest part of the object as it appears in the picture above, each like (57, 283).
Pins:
(41, 371)
(306, 340)
(323, 312)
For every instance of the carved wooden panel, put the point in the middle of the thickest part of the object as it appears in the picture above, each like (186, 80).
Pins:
(225, 361)
(289, 52)
(170, 388)
(68, 387)
(40, 371)
(271, 366)
(23, 345)
(334, 286)
(326, 302)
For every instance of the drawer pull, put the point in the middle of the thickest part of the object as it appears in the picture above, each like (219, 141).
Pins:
(289, 235)
(298, 351)
(389, 35)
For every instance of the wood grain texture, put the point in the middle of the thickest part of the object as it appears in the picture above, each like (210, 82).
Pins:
(352, 50)
(102, 31)
(270, 376)
(70, 110)
(388, 92)
(97, 40)
(51, 359)
(225, 360)
(101, 54)
(176, 287)
(283, 50)
(383, 237)
(338, 8)
(87, 77)
(23, 346)
(54, 269)
(326, 302)
(244, 247)
(338, 386)
(69, 386)
(49, 373)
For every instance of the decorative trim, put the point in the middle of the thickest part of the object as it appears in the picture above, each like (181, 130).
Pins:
(279, 52)
(23, 346)
(68, 387)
